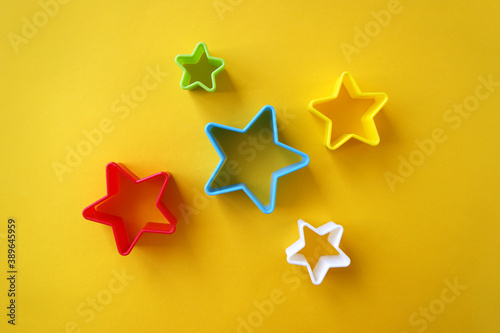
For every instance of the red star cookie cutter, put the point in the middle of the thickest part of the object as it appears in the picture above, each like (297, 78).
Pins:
(117, 175)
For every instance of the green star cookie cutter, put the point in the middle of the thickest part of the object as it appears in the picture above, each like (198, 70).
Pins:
(199, 68)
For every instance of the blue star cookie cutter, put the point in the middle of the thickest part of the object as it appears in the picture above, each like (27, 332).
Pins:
(255, 147)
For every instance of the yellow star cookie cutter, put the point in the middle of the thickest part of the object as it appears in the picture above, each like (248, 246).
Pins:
(332, 109)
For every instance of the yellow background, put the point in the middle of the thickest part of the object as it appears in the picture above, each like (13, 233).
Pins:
(440, 224)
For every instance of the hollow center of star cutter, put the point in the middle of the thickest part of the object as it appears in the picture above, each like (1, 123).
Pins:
(346, 113)
(252, 157)
(316, 247)
(202, 70)
(135, 204)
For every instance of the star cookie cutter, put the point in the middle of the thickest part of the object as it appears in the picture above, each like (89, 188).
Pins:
(199, 68)
(325, 262)
(123, 243)
(365, 131)
(270, 127)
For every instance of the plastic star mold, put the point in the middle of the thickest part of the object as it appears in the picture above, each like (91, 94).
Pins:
(324, 263)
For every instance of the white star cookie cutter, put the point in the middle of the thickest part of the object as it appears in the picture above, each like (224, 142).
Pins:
(324, 262)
